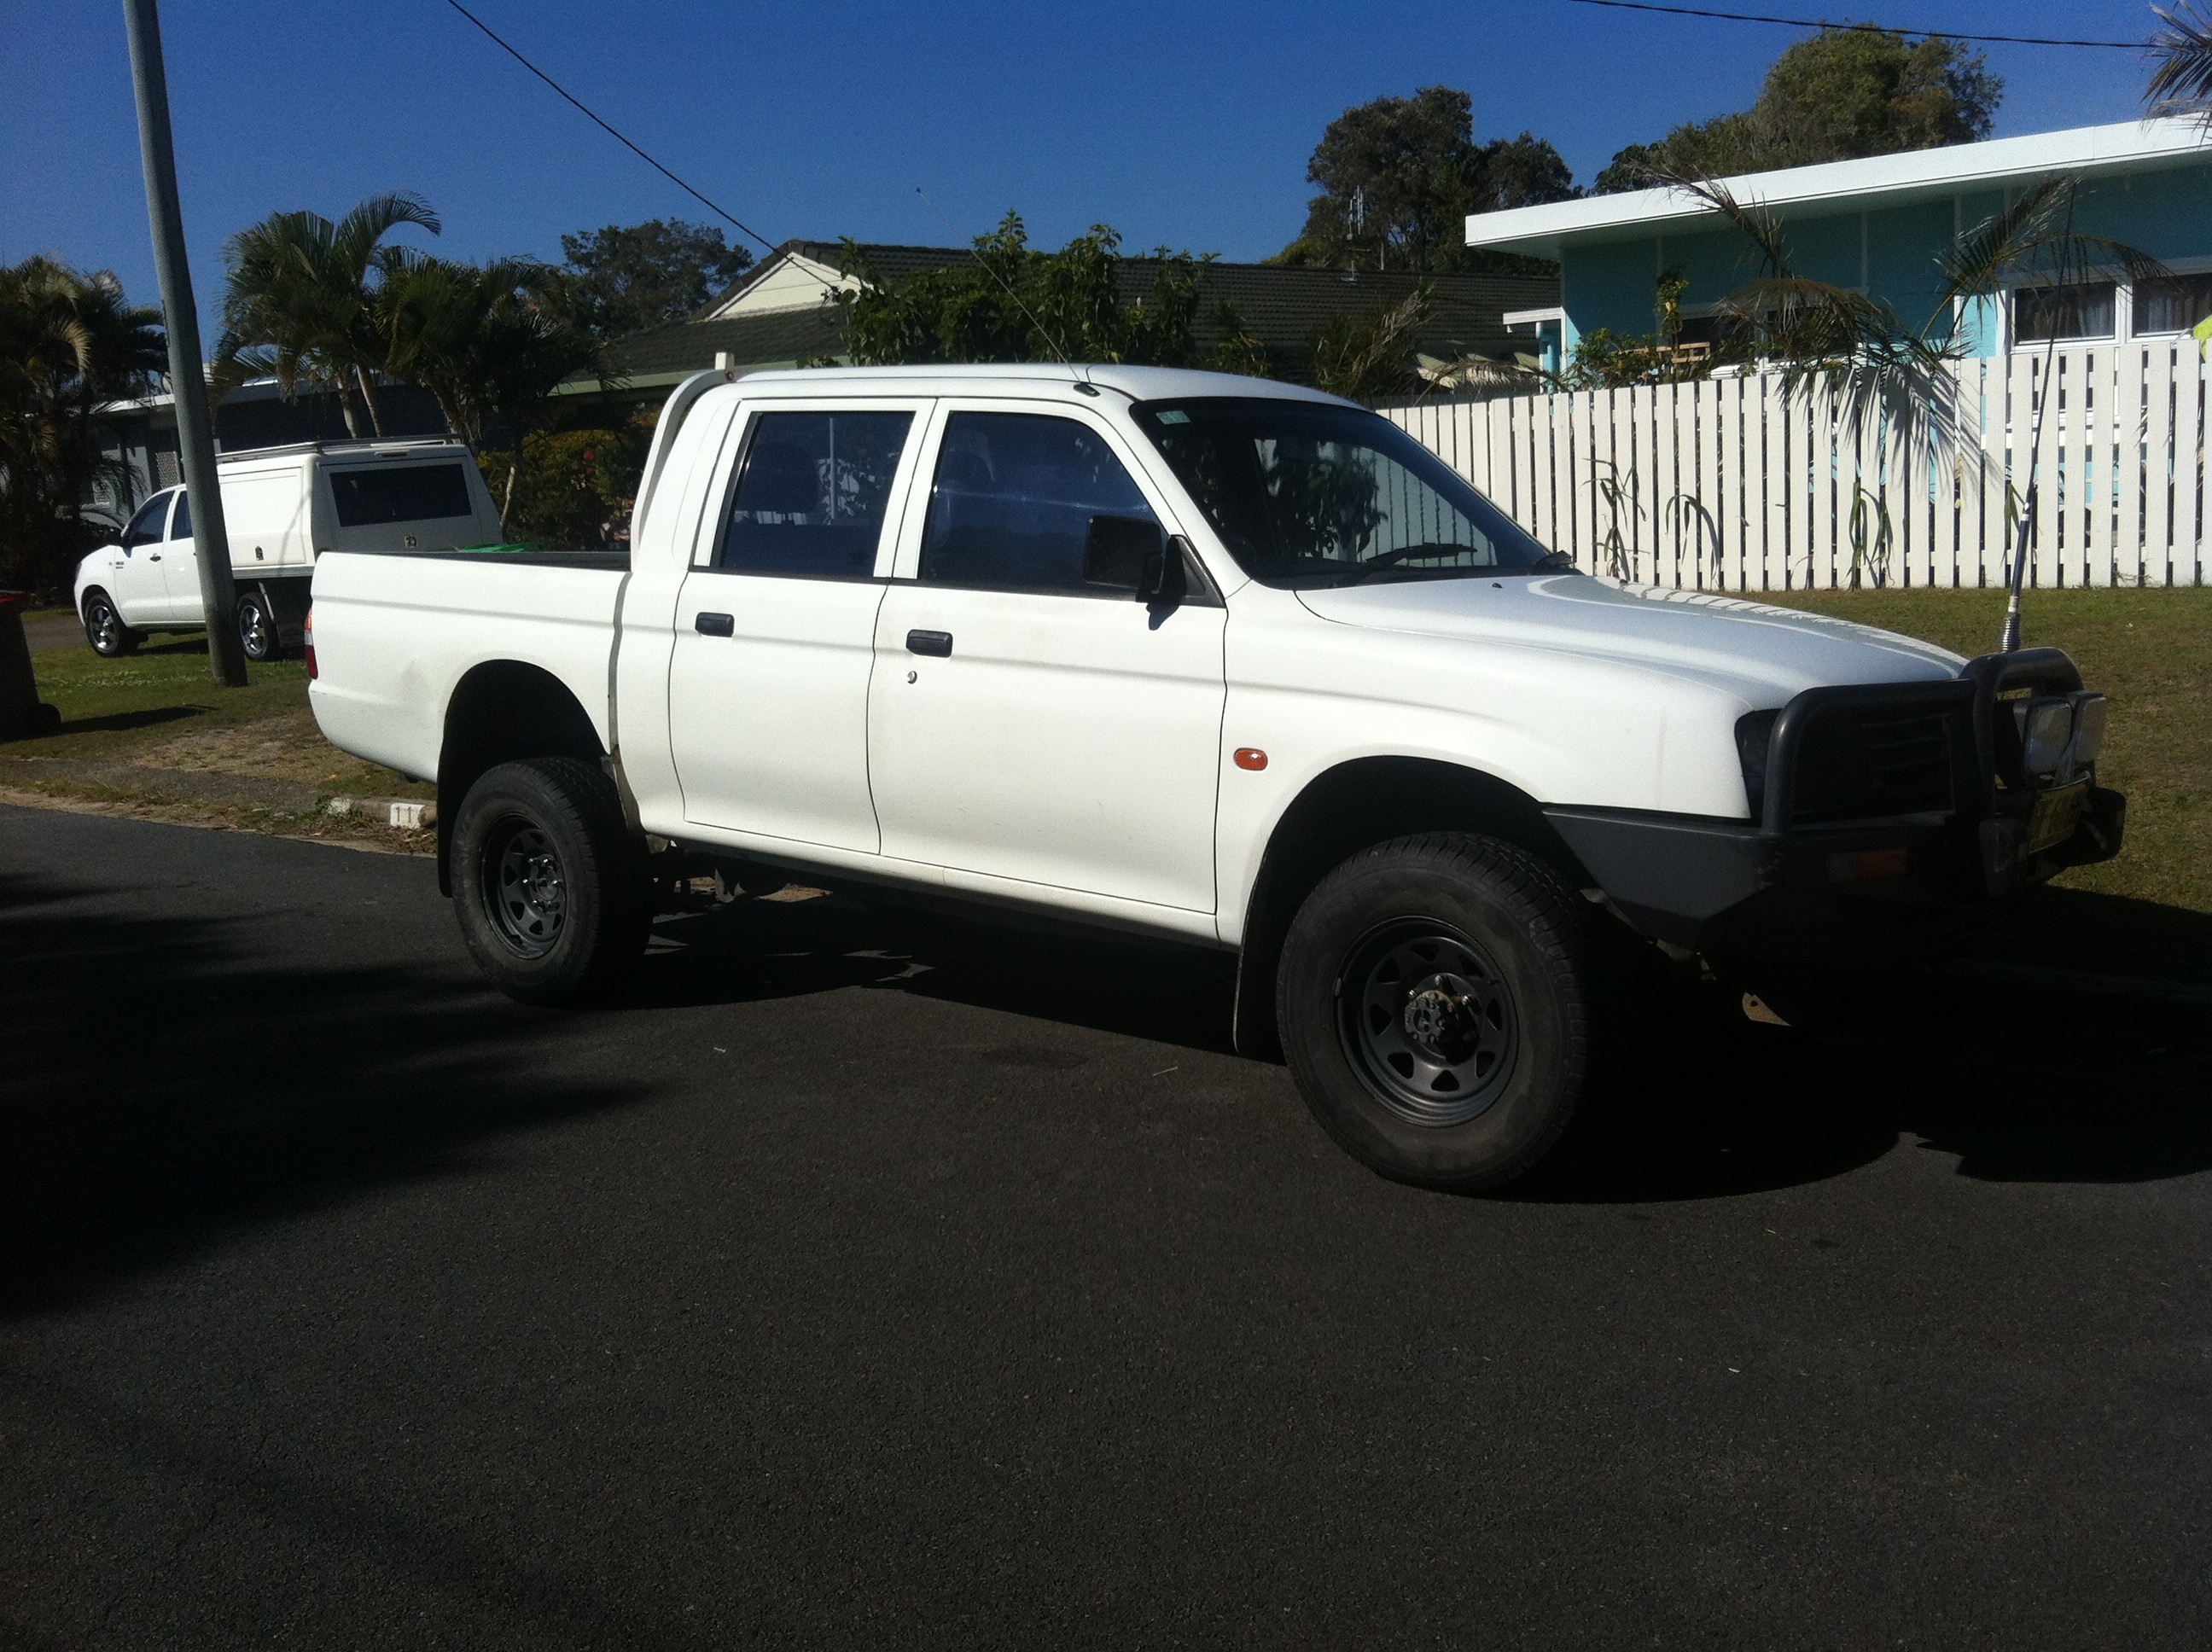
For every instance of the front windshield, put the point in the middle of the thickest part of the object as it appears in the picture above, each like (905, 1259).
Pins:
(1306, 493)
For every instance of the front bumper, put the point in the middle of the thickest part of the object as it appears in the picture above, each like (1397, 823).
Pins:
(1798, 883)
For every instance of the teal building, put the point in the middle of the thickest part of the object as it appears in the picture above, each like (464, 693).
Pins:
(1881, 226)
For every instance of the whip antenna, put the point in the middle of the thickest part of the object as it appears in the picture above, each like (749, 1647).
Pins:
(1059, 347)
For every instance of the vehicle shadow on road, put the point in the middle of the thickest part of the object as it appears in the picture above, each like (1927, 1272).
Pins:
(2014, 1088)
(162, 1087)
(754, 949)
(1712, 1110)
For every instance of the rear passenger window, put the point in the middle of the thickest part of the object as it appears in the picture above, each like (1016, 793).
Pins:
(180, 524)
(1013, 501)
(813, 494)
(411, 493)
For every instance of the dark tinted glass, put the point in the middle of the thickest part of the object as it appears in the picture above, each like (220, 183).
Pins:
(2083, 310)
(2173, 305)
(813, 495)
(1013, 502)
(180, 524)
(408, 492)
(1305, 493)
(146, 526)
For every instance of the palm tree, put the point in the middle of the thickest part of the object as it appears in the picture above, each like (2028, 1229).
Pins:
(68, 343)
(300, 303)
(2182, 83)
(490, 341)
(1857, 348)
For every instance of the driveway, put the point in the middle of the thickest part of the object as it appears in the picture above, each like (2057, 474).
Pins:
(835, 1290)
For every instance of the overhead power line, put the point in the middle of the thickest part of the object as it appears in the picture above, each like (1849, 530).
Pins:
(1865, 28)
(729, 218)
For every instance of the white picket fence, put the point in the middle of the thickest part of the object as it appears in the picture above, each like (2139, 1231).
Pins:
(1733, 483)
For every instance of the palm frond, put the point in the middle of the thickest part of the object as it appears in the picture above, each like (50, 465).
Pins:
(2182, 83)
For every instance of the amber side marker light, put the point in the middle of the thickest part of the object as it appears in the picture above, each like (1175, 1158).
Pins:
(1250, 757)
(1869, 865)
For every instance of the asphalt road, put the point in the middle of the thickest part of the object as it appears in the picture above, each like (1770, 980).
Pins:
(978, 1298)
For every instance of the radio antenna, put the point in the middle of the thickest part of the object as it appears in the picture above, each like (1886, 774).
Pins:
(1057, 345)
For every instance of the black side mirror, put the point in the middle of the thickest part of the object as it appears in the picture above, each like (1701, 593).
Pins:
(1132, 554)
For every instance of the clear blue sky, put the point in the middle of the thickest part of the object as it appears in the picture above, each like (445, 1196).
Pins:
(1183, 125)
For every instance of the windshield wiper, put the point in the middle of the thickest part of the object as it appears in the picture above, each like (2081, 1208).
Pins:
(1403, 553)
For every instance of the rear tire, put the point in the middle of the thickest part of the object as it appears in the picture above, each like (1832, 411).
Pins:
(1435, 1001)
(550, 889)
(110, 639)
(257, 636)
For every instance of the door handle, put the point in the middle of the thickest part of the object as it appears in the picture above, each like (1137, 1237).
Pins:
(716, 625)
(153, 556)
(938, 643)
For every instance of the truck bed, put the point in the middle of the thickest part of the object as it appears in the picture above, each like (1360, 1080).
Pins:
(396, 632)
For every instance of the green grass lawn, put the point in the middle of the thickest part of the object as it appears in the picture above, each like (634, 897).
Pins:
(161, 709)
(2151, 650)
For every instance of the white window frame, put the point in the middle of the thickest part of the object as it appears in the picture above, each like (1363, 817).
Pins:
(2124, 310)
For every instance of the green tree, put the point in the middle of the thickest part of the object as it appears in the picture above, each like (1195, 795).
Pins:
(69, 341)
(1399, 176)
(491, 341)
(1015, 304)
(1370, 355)
(626, 278)
(2181, 84)
(575, 489)
(1841, 94)
(299, 301)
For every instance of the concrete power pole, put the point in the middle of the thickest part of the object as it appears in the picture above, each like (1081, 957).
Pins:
(187, 378)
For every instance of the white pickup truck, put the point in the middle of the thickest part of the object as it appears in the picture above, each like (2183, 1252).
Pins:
(1206, 657)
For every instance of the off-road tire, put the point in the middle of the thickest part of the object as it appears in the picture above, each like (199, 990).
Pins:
(258, 639)
(110, 639)
(557, 931)
(1511, 968)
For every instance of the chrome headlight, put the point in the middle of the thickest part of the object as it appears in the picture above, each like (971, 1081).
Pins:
(2046, 729)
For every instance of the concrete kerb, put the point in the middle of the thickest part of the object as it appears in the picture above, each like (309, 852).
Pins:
(236, 791)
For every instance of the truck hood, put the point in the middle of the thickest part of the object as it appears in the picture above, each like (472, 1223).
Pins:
(1762, 653)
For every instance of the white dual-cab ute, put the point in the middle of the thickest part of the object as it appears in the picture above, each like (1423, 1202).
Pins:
(283, 508)
(1210, 658)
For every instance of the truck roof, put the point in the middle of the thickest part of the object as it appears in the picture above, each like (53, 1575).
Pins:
(1139, 383)
(352, 447)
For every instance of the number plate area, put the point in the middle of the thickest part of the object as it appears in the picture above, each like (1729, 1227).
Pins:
(2056, 814)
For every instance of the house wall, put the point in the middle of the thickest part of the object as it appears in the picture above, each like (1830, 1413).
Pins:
(1891, 254)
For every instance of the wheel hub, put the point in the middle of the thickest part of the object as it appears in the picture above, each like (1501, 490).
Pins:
(1428, 1021)
(525, 890)
(1441, 1019)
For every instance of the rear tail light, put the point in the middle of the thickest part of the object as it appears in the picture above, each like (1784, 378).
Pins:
(310, 629)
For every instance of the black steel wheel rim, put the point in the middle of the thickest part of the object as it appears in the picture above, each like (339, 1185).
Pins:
(525, 891)
(1428, 1021)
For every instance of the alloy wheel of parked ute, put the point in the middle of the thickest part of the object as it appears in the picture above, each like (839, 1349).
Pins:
(257, 636)
(550, 888)
(1434, 1003)
(105, 630)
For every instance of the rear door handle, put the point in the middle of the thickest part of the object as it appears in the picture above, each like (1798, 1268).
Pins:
(716, 625)
(938, 643)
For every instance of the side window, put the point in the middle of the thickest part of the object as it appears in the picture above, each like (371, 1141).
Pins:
(1013, 500)
(146, 526)
(811, 497)
(180, 524)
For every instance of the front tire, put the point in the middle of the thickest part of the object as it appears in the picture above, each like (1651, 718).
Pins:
(257, 637)
(550, 889)
(1435, 1001)
(110, 639)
